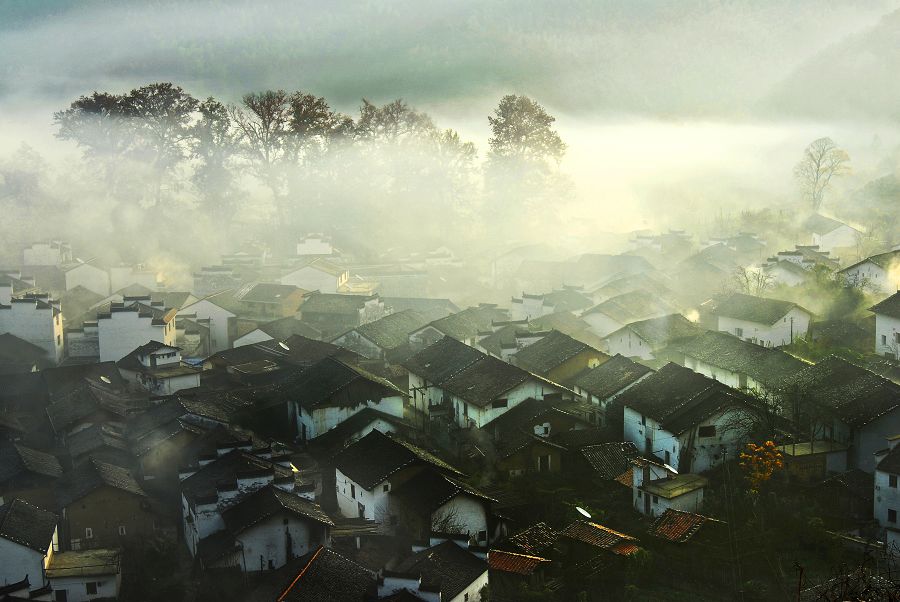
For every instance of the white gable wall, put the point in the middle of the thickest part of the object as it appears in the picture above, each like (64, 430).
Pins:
(90, 277)
(41, 326)
(629, 344)
(318, 421)
(768, 335)
(887, 336)
(219, 323)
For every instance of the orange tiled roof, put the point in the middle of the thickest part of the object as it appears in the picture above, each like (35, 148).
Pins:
(597, 535)
(676, 525)
(510, 562)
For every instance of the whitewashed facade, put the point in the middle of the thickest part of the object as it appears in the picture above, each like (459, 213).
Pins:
(221, 322)
(793, 325)
(89, 276)
(124, 329)
(36, 319)
(312, 422)
(887, 335)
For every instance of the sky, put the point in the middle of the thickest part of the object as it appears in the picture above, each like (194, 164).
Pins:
(650, 95)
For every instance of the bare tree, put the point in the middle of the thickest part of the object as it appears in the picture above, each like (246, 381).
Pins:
(263, 125)
(752, 281)
(822, 161)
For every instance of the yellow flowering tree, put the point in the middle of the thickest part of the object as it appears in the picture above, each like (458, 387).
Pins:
(760, 462)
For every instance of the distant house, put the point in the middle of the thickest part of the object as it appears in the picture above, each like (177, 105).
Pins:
(216, 314)
(508, 338)
(331, 391)
(787, 273)
(391, 280)
(610, 461)
(558, 357)
(215, 279)
(86, 575)
(887, 490)
(102, 505)
(849, 405)
(430, 309)
(642, 339)
(879, 273)
(530, 306)
(35, 318)
(324, 575)
(616, 312)
(28, 473)
(317, 274)
(680, 527)
(737, 363)
(583, 540)
(122, 276)
(28, 540)
(266, 301)
(63, 277)
(657, 488)
(332, 314)
(278, 330)
(466, 326)
(887, 326)
(472, 387)
(367, 471)
(766, 322)
(316, 245)
(158, 368)
(383, 338)
(445, 572)
(830, 234)
(52, 252)
(689, 421)
(601, 385)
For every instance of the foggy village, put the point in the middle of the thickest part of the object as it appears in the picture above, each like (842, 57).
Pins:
(449, 301)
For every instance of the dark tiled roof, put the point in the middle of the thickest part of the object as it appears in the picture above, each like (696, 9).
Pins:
(27, 525)
(771, 367)
(538, 539)
(336, 437)
(660, 393)
(334, 303)
(819, 224)
(266, 502)
(442, 359)
(514, 429)
(611, 376)
(392, 331)
(677, 526)
(856, 395)
(600, 537)
(632, 306)
(665, 329)
(16, 459)
(888, 307)
(93, 475)
(510, 562)
(856, 482)
(15, 350)
(332, 382)
(430, 309)
(754, 309)
(447, 566)
(469, 322)
(228, 468)
(376, 456)
(287, 327)
(550, 352)
(485, 380)
(266, 292)
(882, 260)
(430, 489)
(610, 460)
(325, 576)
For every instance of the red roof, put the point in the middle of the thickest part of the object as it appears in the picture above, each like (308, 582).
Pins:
(510, 562)
(676, 525)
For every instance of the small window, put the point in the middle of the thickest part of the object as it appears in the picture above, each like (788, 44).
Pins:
(655, 499)
(668, 457)
(707, 431)
(466, 598)
(543, 463)
(59, 339)
(482, 535)
(88, 533)
(90, 588)
(121, 529)
(739, 332)
(892, 481)
(640, 494)
(286, 521)
(643, 421)
(386, 488)
(500, 403)
(353, 491)
(892, 516)
(884, 339)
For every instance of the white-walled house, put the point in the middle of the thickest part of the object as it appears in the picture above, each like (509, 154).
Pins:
(214, 312)
(656, 488)
(315, 245)
(89, 276)
(687, 420)
(887, 490)
(124, 276)
(474, 387)
(122, 327)
(830, 234)
(880, 273)
(887, 326)
(621, 310)
(766, 322)
(600, 386)
(642, 339)
(241, 510)
(80, 576)
(850, 406)
(444, 571)
(157, 367)
(317, 275)
(367, 471)
(331, 391)
(28, 540)
(35, 318)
